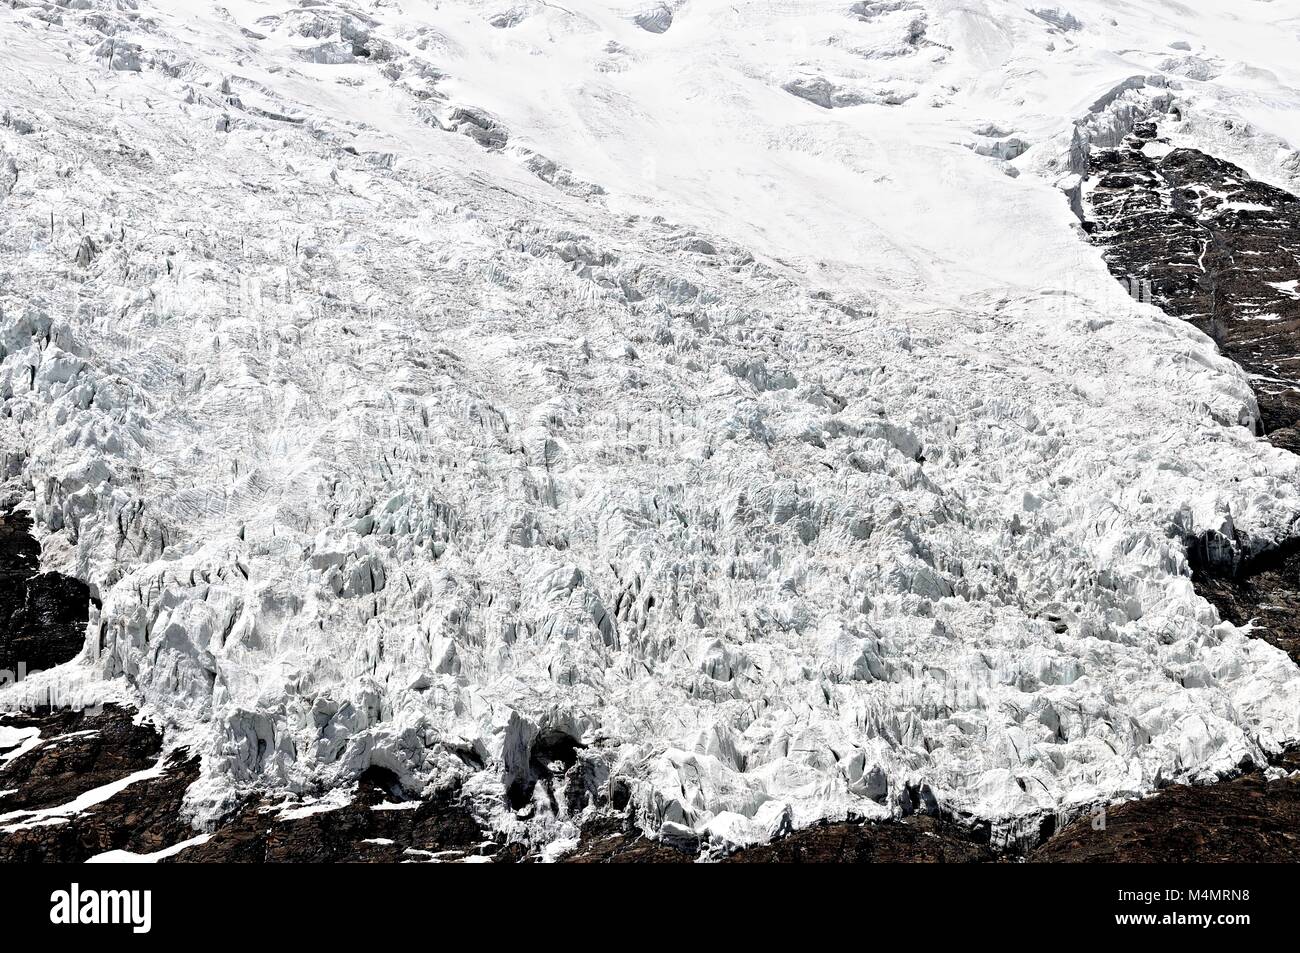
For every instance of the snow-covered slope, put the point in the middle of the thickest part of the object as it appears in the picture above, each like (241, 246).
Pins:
(725, 389)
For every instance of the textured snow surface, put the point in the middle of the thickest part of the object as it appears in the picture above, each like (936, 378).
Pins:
(725, 388)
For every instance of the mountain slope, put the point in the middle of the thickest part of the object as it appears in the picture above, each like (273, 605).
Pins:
(715, 402)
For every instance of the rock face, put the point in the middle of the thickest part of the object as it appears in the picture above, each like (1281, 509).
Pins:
(51, 759)
(42, 615)
(655, 19)
(372, 823)
(822, 92)
(1200, 238)
(78, 785)
(1263, 590)
(917, 840)
(1250, 819)
(920, 840)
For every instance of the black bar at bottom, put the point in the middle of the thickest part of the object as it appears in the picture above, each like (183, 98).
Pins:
(228, 903)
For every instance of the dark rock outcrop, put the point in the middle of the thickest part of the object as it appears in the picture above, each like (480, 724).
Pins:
(1264, 590)
(1201, 239)
(82, 751)
(42, 615)
(1206, 242)
(613, 840)
(915, 840)
(1245, 820)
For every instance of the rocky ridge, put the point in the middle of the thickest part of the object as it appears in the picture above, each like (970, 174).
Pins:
(1204, 241)
(42, 615)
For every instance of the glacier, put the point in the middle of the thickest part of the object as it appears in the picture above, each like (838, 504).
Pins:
(718, 404)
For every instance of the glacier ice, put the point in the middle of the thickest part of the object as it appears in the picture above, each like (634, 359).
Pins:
(506, 394)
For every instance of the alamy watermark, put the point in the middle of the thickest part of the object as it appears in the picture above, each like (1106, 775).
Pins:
(76, 906)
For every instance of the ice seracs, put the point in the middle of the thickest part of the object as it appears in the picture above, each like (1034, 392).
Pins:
(801, 462)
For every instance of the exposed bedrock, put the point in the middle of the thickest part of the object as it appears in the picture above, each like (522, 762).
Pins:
(1262, 590)
(921, 839)
(52, 759)
(42, 615)
(80, 785)
(1250, 819)
(1201, 239)
(1206, 242)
